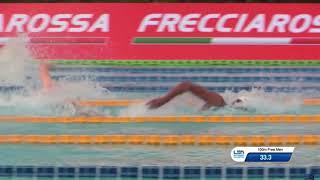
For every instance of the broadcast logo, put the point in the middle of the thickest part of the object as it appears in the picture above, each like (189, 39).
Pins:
(262, 154)
(238, 154)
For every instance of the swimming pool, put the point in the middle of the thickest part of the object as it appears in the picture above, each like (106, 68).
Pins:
(107, 161)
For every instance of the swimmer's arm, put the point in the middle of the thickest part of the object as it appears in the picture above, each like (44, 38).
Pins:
(45, 76)
(181, 88)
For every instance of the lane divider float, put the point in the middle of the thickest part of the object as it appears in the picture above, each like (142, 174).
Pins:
(144, 139)
(311, 102)
(127, 102)
(166, 119)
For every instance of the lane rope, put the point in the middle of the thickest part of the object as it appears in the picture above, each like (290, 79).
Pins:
(165, 88)
(188, 70)
(109, 103)
(167, 119)
(127, 87)
(312, 102)
(125, 103)
(144, 139)
(172, 78)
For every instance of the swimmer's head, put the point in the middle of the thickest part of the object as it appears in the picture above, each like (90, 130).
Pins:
(241, 101)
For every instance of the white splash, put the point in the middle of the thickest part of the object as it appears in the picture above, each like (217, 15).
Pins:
(16, 63)
(18, 68)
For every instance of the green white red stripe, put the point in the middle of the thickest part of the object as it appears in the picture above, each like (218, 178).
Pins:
(227, 40)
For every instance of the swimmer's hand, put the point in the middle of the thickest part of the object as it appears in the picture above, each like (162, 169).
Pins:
(156, 103)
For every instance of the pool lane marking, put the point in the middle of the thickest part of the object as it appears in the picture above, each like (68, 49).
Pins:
(128, 102)
(166, 119)
(312, 102)
(173, 139)
(110, 103)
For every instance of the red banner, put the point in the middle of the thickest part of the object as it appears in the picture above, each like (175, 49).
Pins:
(166, 31)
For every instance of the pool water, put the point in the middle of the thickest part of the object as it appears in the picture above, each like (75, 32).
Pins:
(139, 155)
(270, 90)
(54, 104)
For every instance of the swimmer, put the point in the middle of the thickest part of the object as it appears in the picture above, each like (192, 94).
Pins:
(211, 99)
(48, 85)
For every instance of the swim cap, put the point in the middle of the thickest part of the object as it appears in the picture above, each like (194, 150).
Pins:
(240, 102)
(244, 99)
